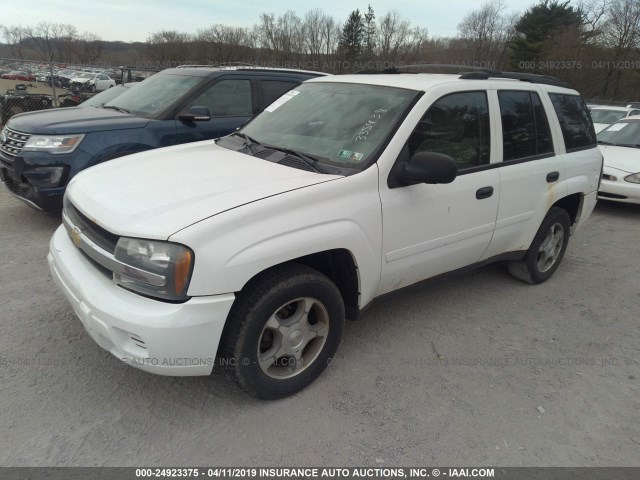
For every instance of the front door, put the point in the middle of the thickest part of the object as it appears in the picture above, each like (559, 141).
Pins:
(432, 229)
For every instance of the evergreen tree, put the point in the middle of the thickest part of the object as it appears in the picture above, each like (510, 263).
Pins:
(352, 38)
(369, 32)
(537, 27)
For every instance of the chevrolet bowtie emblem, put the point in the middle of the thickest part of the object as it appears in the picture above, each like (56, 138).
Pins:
(75, 236)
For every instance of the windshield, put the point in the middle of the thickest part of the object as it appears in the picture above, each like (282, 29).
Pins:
(151, 96)
(340, 124)
(103, 97)
(599, 115)
(621, 133)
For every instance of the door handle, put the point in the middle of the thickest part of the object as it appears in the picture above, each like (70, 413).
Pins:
(484, 192)
(553, 177)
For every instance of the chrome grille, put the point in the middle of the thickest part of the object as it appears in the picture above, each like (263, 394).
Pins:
(13, 142)
(96, 234)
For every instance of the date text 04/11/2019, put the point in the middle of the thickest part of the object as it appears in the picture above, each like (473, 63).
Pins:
(579, 65)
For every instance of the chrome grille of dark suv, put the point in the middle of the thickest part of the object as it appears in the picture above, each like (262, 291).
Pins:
(13, 143)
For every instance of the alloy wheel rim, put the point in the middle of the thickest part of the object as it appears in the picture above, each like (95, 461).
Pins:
(550, 247)
(292, 338)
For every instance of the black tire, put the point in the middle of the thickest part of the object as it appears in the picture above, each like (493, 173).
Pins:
(282, 296)
(546, 250)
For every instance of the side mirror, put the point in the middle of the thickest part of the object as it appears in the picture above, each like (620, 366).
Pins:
(195, 114)
(426, 167)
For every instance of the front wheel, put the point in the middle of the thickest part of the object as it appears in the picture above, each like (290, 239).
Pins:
(283, 330)
(546, 250)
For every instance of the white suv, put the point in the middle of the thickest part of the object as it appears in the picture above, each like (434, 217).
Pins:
(251, 250)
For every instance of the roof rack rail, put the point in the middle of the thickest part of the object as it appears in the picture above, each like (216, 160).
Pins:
(247, 66)
(523, 77)
(403, 68)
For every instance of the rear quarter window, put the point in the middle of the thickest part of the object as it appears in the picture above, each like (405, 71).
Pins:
(575, 121)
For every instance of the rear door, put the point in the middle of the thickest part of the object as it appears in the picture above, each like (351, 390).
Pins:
(531, 171)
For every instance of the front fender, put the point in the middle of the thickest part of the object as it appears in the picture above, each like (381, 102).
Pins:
(234, 246)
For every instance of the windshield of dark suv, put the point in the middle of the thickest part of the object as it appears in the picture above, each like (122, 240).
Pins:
(153, 95)
(338, 124)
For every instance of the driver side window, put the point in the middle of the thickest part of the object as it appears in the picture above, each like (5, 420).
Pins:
(456, 125)
(227, 98)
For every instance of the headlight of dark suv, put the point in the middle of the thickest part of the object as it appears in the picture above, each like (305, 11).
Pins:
(159, 269)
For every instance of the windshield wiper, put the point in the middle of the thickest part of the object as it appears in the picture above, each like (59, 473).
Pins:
(312, 162)
(631, 145)
(117, 109)
(602, 142)
(248, 141)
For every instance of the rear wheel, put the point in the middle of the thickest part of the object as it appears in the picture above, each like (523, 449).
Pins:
(546, 250)
(283, 330)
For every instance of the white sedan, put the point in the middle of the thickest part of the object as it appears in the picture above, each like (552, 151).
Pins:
(620, 146)
(604, 115)
(94, 82)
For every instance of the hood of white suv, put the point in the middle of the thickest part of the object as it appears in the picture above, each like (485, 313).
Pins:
(156, 193)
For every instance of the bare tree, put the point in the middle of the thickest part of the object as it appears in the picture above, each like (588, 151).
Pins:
(15, 36)
(331, 31)
(621, 36)
(393, 33)
(225, 43)
(486, 32)
(88, 47)
(281, 36)
(593, 14)
(169, 47)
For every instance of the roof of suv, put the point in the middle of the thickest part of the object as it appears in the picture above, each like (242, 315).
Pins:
(425, 81)
(207, 70)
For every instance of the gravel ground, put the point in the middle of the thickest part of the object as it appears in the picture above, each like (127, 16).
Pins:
(477, 369)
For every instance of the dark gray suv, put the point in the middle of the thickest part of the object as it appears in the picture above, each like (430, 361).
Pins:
(41, 151)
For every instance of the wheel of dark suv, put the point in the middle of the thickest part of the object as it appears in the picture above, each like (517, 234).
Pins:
(546, 250)
(282, 331)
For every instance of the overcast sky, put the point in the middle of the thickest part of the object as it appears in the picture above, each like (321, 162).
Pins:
(133, 20)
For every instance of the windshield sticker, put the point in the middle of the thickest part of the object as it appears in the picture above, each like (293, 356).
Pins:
(282, 100)
(350, 156)
(617, 127)
(363, 134)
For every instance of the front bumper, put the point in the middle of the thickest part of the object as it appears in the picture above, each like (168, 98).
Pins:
(50, 202)
(179, 339)
(619, 191)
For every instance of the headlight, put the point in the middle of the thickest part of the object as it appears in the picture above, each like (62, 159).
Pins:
(633, 178)
(53, 144)
(160, 269)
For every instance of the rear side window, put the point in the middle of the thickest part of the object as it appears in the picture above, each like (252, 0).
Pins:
(274, 89)
(575, 121)
(525, 128)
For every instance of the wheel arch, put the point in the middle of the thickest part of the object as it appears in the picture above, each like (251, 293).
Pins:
(339, 265)
(571, 204)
